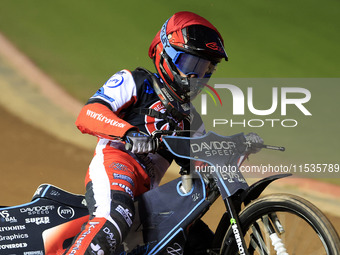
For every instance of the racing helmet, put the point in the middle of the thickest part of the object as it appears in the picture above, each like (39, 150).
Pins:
(186, 44)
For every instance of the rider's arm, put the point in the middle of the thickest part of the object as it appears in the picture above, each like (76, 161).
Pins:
(101, 115)
(97, 119)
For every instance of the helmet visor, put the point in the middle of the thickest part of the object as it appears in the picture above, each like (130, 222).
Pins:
(190, 64)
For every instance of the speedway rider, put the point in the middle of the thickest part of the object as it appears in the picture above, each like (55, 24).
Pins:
(129, 107)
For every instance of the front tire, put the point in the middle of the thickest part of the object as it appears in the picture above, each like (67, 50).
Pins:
(305, 228)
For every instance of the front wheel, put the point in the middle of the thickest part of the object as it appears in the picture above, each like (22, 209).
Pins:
(284, 224)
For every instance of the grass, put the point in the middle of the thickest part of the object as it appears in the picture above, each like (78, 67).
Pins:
(81, 44)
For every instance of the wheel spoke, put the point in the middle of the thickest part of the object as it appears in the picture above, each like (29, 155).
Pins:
(255, 244)
(257, 234)
(277, 224)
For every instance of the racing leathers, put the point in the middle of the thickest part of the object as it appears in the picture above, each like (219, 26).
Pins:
(127, 101)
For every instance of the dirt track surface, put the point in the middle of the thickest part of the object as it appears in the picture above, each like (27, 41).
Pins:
(40, 144)
(30, 156)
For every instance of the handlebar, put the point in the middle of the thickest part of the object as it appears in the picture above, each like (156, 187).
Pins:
(270, 147)
(157, 134)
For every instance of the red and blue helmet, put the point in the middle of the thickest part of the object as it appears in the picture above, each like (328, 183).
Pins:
(189, 44)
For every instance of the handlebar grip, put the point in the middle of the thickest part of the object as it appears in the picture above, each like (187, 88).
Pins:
(278, 148)
(129, 146)
(270, 147)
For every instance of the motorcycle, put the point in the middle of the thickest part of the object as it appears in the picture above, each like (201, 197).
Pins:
(168, 217)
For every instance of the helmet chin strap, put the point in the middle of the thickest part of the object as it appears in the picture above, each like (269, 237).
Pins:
(172, 106)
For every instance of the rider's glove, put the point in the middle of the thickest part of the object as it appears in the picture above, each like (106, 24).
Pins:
(254, 142)
(140, 143)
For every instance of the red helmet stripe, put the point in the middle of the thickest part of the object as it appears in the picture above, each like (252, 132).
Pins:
(179, 21)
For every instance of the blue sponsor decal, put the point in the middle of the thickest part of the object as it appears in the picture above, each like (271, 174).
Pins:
(100, 92)
(148, 88)
(126, 188)
(125, 178)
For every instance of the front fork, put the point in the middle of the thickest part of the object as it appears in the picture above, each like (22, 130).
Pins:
(185, 188)
(236, 227)
(230, 218)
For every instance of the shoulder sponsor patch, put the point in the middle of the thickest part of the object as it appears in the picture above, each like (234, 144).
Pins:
(115, 81)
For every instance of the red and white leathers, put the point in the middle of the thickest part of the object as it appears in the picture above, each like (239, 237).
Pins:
(115, 176)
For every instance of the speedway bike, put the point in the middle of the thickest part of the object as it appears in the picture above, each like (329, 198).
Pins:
(166, 216)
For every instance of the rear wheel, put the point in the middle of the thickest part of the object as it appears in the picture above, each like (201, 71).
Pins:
(284, 224)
